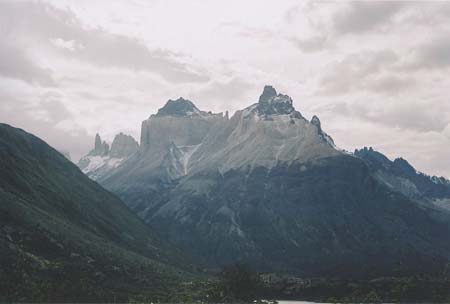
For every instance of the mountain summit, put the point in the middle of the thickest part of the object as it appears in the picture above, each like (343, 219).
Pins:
(178, 107)
(268, 93)
(272, 103)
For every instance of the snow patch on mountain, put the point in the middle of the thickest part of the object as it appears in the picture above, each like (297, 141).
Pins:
(98, 165)
(186, 156)
(101, 160)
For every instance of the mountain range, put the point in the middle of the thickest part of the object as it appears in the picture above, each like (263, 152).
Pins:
(269, 188)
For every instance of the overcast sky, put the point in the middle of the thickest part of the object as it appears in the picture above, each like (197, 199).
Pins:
(376, 73)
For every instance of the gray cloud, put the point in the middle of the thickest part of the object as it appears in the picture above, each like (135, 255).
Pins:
(86, 95)
(46, 24)
(364, 16)
(54, 107)
(429, 13)
(411, 115)
(432, 55)
(313, 44)
(21, 114)
(415, 114)
(16, 64)
(359, 71)
(447, 131)
(391, 84)
(223, 94)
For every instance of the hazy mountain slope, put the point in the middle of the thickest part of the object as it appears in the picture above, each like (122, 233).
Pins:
(328, 218)
(65, 238)
(270, 188)
(401, 176)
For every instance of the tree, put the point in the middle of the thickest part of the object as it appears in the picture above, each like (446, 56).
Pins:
(238, 283)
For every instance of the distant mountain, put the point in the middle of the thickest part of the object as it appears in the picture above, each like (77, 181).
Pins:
(402, 177)
(102, 159)
(63, 238)
(269, 188)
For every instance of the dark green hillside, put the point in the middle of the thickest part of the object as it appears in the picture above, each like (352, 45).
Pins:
(64, 238)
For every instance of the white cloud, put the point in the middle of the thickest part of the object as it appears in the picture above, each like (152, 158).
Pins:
(70, 45)
(16, 63)
(364, 16)
(446, 131)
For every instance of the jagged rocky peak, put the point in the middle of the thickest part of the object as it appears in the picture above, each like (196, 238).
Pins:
(98, 142)
(371, 155)
(268, 93)
(368, 153)
(179, 107)
(99, 161)
(404, 165)
(123, 145)
(272, 103)
(440, 180)
(100, 148)
(316, 121)
(364, 150)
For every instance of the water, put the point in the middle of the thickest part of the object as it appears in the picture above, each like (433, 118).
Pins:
(297, 302)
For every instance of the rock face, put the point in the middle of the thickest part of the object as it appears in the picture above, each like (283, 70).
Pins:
(272, 103)
(180, 122)
(181, 139)
(101, 160)
(123, 146)
(264, 134)
(168, 140)
(101, 148)
(269, 188)
(316, 121)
